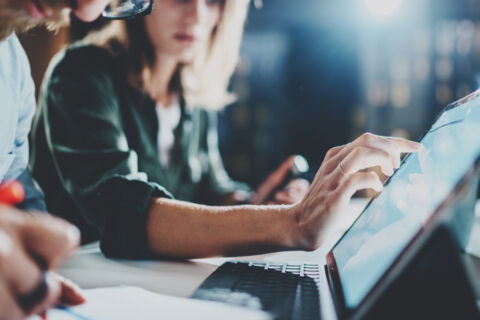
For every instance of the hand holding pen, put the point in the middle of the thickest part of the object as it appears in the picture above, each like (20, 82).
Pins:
(30, 245)
(284, 185)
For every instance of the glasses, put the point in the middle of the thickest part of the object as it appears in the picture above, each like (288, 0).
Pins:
(125, 9)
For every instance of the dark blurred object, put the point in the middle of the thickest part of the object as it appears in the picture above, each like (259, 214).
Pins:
(127, 9)
(300, 167)
(79, 29)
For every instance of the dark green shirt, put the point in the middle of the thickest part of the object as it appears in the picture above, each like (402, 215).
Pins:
(96, 154)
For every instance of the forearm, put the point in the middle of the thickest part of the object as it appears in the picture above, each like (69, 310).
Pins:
(185, 230)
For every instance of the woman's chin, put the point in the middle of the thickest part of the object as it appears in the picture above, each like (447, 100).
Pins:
(186, 56)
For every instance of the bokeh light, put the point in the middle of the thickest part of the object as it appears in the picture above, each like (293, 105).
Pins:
(382, 7)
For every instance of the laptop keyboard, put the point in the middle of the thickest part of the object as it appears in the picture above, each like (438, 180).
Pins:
(287, 291)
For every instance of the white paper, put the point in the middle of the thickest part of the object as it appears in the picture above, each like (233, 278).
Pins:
(132, 303)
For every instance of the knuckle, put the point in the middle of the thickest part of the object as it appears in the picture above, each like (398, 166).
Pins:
(329, 153)
(372, 177)
(392, 145)
(368, 137)
(352, 179)
(63, 238)
(65, 234)
(360, 151)
(383, 154)
(68, 238)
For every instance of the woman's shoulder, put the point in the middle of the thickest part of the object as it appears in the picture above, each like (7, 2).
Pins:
(81, 83)
(81, 75)
(82, 58)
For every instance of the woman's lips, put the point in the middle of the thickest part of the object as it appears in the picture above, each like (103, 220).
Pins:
(184, 37)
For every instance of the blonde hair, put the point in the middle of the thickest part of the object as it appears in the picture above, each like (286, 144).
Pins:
(18, 20)
(204, 81)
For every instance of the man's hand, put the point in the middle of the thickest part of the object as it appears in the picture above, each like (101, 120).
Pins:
(30, 245)
(340, 176)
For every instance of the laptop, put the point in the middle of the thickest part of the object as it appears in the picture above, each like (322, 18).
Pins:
(383, 239)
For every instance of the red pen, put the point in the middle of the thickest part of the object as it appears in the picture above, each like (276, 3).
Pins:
(11, 192)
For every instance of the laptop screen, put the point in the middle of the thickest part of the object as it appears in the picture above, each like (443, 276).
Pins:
(388, 224)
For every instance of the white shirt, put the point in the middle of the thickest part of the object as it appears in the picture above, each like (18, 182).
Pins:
(17, 107)
(168, 119)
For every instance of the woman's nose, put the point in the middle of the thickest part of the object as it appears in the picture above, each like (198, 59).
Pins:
(197, 11)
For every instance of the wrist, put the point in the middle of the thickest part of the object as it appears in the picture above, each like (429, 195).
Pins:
(301, 235)
(295, 239)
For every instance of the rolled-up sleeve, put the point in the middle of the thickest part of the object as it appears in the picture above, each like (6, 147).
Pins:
(130, 198)
(86, 138)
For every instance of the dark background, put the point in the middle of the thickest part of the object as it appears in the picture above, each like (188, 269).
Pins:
(317, 73)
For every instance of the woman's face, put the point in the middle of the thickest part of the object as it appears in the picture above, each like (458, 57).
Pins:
(179, 28)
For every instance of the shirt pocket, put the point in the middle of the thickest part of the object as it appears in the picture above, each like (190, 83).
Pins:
(6, 161)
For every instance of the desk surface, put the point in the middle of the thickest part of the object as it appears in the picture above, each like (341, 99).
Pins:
(90, 269)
